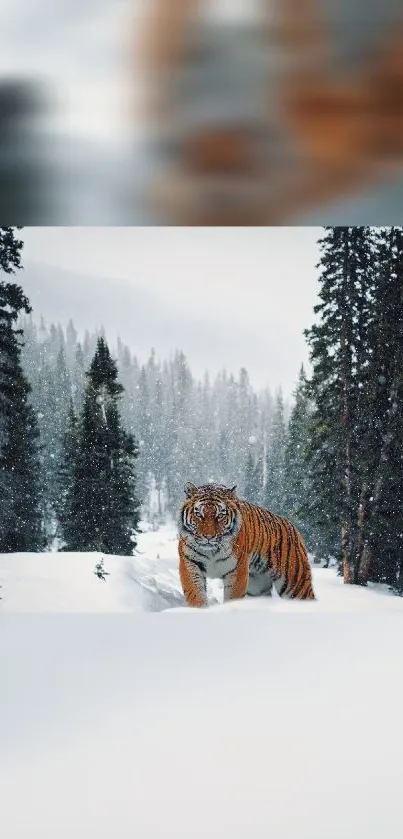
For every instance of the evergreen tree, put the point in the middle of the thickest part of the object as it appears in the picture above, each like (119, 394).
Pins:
(101, 509)
(51, 398)
(339, 354)
(65, 472)
(20, 519)
(253, 478)
(297, 482)
(181, 461)
(10, 251)
(199, 431)
(250, 486)
(100, 571)
(381, 509)
(275, 487)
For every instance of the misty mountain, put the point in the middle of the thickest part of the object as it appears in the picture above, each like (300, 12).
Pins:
(141, 317)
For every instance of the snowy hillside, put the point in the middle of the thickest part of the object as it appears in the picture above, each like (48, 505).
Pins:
(157, 726)
(65, 582)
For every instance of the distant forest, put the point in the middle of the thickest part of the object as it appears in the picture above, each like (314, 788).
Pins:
(212, 430)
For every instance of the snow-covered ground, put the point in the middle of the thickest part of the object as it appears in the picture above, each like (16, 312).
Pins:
(251, 724)
(149, 581)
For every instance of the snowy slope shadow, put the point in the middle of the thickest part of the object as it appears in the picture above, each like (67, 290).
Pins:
(158, 590)
(158, 585)
(155, 571)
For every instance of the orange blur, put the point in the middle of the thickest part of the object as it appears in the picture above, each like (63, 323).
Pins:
(155, 142)
(346, 133)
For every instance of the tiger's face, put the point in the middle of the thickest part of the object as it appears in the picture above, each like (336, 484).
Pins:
(209, 515)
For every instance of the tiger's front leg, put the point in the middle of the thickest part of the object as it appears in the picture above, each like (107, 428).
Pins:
(194, 581)
(236, 582)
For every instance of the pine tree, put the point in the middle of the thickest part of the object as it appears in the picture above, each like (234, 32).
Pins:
(10, 251)
(250, 479)
(101, 508)
(181, 465)
(297, 482)
(51, 398)
(339, 354)
(20, 519)
(253, 481)
(65, 475)
(192, 430)
(275, 487)
(382, 504)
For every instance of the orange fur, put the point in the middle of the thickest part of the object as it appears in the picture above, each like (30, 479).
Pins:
(190, 583)
(249, 545)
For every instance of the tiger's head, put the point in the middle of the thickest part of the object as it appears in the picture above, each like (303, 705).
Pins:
(209, 516)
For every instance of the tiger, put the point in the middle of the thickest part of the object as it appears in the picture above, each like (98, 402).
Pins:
(249, 548)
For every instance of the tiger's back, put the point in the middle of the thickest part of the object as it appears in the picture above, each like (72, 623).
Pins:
(276, 551)
(249, 548)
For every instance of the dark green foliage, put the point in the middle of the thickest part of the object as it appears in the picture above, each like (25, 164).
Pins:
(355, 444)
(20, 518)
(383, 438)
(101, 509)
(186, 430)
(297, 480)
(10, 250)
(338, 343)
(65, 470)
(100, 571)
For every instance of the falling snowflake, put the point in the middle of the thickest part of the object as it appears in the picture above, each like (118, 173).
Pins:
(252, 439)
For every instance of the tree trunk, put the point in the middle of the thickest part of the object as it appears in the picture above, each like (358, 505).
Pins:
(159, 502)
(400, 577)
(346, 559)
(359, 563)
(365, 562)
(348, 571)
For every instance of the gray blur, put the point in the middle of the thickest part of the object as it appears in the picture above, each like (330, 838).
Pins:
(54, 171)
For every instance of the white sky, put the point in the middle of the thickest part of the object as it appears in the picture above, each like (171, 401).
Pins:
(226, 297)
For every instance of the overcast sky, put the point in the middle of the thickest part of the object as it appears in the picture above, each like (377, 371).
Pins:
(226, 297)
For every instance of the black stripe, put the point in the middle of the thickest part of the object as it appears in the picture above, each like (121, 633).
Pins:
(199, 553)
(200, 565)
(223, 558)
(279, 549)
(300, 581)
(289, 540)
(255, 538)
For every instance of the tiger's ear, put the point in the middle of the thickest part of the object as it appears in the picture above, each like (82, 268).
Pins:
(231, 491)
(190, 489)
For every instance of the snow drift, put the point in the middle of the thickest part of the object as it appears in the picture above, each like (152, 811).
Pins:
(149, 581)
